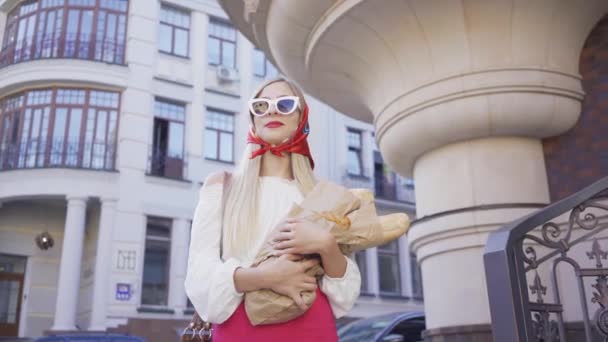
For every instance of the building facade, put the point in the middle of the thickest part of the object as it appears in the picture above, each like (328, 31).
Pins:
(112, 113)
(494, 107)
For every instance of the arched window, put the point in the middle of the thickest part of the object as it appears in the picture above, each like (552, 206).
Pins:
(59, 127)
(81, 29)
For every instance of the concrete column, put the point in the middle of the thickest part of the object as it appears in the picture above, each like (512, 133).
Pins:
(373, 273)
(452, 182)
(404, 267)
(68, 286)
(102, 264)
(179, 258)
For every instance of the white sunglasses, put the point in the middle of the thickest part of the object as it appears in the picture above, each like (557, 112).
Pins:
(285, 105)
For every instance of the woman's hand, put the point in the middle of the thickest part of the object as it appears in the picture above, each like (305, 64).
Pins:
(288, 277)
(301, 237)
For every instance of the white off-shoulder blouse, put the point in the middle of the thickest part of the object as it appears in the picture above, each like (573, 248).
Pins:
(209, 282)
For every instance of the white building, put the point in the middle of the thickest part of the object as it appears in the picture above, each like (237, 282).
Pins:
(112, 112)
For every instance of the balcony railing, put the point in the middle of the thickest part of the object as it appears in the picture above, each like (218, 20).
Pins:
(57, 153)
(168, 165)
(394, 191)
(385, 189)
(83, 46)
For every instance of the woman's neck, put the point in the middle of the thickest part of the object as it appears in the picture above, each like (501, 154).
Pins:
(276, 166)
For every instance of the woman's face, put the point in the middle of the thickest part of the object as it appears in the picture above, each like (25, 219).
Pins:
(275, 127)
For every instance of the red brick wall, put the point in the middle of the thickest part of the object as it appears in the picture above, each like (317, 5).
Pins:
(580, 156)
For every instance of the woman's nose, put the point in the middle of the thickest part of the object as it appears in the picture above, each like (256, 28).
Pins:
(272, 110)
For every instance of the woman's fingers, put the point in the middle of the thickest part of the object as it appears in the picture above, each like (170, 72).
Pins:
(310, 280)
(288, 227)
(310, 263)
(291, 257)
(297, 298)
(309, 287)
(281, 236)
(285, 244)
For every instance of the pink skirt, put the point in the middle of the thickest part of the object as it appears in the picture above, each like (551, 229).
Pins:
(317, 324)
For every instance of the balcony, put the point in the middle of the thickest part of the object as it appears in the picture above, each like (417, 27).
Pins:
(57, 153)
(67, 46)
(394, 191)
(166, 164)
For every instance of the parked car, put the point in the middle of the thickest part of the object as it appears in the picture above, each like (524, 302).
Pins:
(394, 327)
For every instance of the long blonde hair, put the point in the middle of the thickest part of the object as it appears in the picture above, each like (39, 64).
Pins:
(240, 216)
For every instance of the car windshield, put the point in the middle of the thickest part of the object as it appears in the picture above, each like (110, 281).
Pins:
(366, 329)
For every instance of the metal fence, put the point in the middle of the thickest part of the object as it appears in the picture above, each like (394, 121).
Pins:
(546, 274)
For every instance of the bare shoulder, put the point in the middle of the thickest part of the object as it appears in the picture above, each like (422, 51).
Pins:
(215, 178)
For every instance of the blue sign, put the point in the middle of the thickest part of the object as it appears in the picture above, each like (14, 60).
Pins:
(123, 291)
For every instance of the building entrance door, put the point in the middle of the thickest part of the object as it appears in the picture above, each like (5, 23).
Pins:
(11, 291)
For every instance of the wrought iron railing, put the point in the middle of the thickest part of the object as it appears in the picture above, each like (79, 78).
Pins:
(69, 45)
(384, 189)
(547, 280)
(393, 191)
(162, 163)
(60, 153)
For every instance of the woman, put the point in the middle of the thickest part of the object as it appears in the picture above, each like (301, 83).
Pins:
(275, 172)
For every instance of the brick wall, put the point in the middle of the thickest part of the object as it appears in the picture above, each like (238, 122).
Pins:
(580, 156)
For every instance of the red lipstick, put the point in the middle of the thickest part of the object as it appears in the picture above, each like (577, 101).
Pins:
(274, 124)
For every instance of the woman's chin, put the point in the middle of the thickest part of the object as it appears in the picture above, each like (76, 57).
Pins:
(274, 139)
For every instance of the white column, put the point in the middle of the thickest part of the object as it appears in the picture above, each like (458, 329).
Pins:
(373, 273)
(69, 270)
(404, 267)
(102, 264)
(179, 258)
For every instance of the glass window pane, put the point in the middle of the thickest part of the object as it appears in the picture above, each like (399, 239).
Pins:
(176, 140)
(226, 147)
(213, 51)
(211, 144)
(72, 31)
(229, 54)
(165, 38)
(181, 42)
(156, 273)
(85, 34)
(354, 167)
(389, 273)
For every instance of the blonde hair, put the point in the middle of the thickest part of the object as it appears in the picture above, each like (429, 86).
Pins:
(240, 216)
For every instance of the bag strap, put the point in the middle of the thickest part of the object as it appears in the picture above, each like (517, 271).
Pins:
(199, 330)
(226, 182)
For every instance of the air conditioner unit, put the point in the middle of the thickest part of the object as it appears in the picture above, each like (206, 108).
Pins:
(225, 73)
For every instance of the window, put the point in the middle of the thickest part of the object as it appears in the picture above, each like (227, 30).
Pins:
(360, 257)
(81, 29)
(59, 127)
(262, 66)
(174, 31)
(219, 136)
(355, 161)
(388, 267)
(155, 287)
(221, 44)
(410, 329)
(167, 153)
(416, 277)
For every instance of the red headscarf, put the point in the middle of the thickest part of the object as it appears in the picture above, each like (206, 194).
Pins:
(296, 144)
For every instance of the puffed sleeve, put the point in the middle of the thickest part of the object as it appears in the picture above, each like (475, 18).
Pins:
(343, 292)
(209, 282)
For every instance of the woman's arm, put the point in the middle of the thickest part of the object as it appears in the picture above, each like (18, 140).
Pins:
(209, 281)
(342, 279)
(248, 279)
(332, 259)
